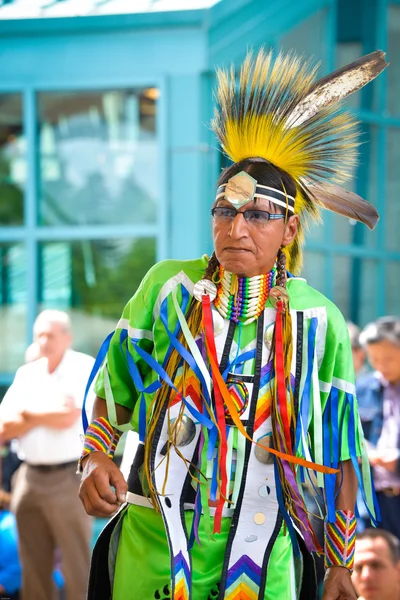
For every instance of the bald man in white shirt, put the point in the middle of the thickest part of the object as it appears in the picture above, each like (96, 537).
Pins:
(42, 409)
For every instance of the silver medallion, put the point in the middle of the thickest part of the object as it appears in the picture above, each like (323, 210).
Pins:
(268, 335)
(264, 491)
(279, 294)
(204, 287)
(261, 451)
(184, 432)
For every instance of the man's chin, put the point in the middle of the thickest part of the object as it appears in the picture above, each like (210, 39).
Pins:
(237, 266)
(370, 595)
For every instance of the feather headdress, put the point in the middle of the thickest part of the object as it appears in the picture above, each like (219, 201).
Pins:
(279, 112)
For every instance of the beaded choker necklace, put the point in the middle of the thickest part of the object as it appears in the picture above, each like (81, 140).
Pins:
(242, 299)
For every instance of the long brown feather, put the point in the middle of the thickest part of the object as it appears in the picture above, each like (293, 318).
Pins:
(338, 85)
(335, 198)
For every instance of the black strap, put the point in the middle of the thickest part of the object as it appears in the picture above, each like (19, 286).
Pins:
(250, 431)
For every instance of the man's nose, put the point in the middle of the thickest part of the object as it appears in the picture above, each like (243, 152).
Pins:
(365, 572)
(239, 227)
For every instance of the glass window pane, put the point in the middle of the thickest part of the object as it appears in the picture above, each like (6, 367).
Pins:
(92, 281)
(98, 157)
(341, 287)
(365, 183)
(318, 231)
(392, 204)
(368, 296)
(12, 160)
(393, 289)
(393, 50)
(314, 269)
(13, 303)
(309, 37)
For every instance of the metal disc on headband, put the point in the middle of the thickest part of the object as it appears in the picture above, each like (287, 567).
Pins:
(204, 287)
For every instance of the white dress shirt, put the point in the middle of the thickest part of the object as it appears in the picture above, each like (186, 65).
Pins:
(36, 390)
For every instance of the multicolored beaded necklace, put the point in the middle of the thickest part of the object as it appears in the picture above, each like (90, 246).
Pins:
(242, 299)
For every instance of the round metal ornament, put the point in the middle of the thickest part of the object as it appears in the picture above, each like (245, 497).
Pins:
(184, 432)
(261, 453)
(278, 294)
(259, 518)
(268, 335)
(204, 287)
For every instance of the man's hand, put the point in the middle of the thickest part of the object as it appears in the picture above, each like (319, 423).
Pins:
(388, 459)
(14, 428)
(63, 418)
(338, 585)
(96, 493)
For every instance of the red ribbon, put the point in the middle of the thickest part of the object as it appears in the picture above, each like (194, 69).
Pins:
(280, 379)
(220, 412)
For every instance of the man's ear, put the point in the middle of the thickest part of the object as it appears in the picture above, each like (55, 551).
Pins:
(290, 230)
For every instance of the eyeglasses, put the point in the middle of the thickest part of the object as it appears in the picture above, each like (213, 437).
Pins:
(252, 217)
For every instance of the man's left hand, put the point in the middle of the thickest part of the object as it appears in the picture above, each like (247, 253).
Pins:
(338, 585)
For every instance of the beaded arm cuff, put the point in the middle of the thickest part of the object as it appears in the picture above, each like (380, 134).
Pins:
(340, 538)
(100, 436)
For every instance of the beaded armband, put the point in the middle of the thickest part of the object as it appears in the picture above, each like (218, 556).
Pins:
(100, 436)
(340, 538)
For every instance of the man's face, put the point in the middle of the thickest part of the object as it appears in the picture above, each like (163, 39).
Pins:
(52, 338)
(250, 249)
(375, 575)
(385, 357)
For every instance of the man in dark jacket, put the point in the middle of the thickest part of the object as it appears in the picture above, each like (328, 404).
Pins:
(379, 400)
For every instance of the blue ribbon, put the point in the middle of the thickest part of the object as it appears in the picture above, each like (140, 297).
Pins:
(214, 480)
(138, 381)
(331, 418)
(266, 378)
(97, 364)
(212, 428)
(248, 355)
(185, 354)
(185, 300)
(354, 460)
(196, 515)
(305, 399)
(160, 371)
(282, 508)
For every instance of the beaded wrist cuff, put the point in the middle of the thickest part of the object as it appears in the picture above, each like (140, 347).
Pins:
(340, 538)
(100, 436)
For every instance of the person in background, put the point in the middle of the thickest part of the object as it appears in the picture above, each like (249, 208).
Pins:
(379, 404)
(41, 409)
(358, 352)
(9, 450)
(376, 573)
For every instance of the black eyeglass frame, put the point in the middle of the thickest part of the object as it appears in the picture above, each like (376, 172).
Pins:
(235, 212)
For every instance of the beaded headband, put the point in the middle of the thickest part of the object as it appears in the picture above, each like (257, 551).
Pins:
(242, 188)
